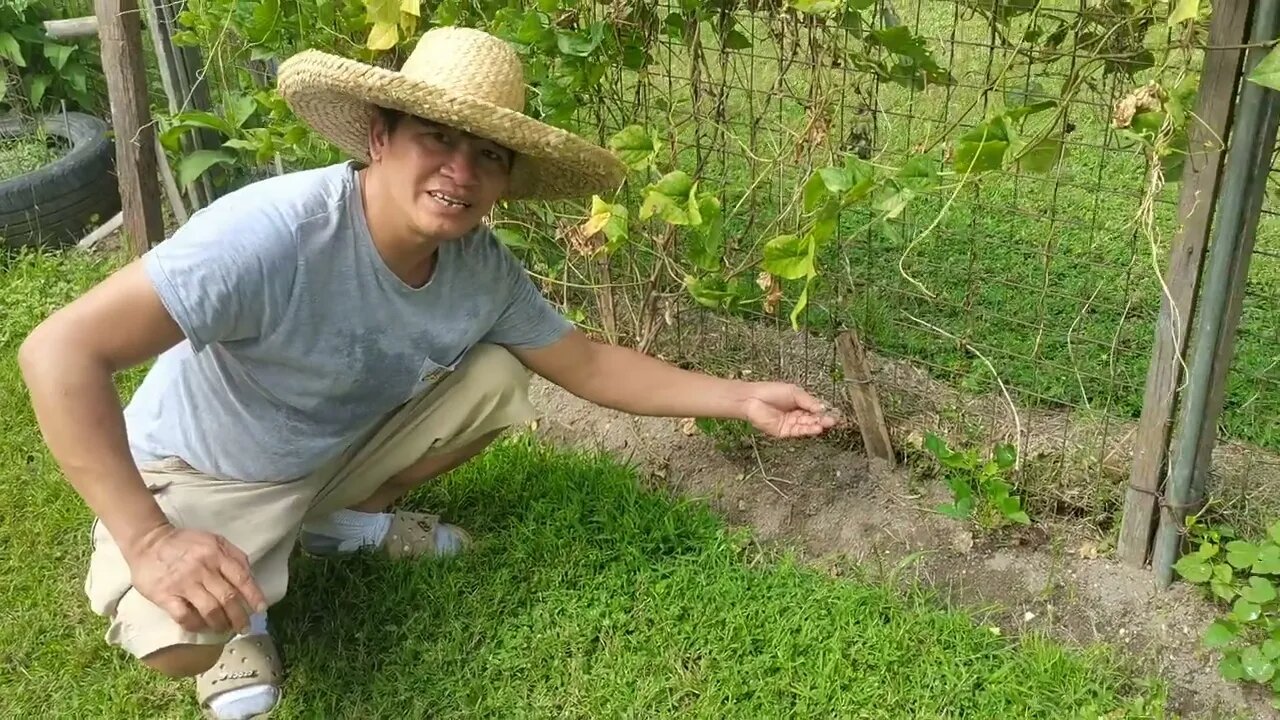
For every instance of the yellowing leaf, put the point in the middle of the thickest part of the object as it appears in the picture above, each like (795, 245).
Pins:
(599, 216)
(382, 36)
(1184, 11)
(413, 7)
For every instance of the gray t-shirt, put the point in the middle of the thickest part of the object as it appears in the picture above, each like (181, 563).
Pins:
(298, 336)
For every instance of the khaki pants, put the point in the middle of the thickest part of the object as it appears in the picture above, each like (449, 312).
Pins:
(487, 393)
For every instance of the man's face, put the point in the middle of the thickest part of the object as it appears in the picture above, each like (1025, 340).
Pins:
(442, 180)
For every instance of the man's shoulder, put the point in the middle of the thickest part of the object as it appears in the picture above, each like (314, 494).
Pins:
(293, 196)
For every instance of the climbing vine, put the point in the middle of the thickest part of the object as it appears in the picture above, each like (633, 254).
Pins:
(669, 218)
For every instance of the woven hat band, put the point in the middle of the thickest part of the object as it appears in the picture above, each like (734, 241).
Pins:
(471, 63)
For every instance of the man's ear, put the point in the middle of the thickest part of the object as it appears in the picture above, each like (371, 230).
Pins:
(377, 137)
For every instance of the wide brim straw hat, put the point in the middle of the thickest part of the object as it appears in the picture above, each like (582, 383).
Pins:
(460, 77)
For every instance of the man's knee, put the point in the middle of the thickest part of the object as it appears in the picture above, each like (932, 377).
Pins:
(180, 661)
(493, 370)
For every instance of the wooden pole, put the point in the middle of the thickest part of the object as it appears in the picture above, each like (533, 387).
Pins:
(120, 32)
(1225, 279)
(175, 74)
(1207, 137)
(863, 397)
(71, 28)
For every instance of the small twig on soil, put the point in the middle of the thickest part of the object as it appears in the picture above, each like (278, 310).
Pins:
(764, 475)
(1017, 419)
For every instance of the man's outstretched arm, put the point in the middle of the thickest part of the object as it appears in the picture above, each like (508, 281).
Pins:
(627, 380)
(68, 362)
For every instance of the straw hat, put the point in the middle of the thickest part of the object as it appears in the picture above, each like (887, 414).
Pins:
(460, 77)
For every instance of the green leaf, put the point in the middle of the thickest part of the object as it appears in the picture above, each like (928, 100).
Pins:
(1193, 568)
(1271, 648)
(1241, 554)
(36, 87)
(1274, 532)
(676, 185)
(936, 445)
(815, 193)
(581, 43)
(1259, 590)
(58, 54)
(706, 249)
(513, 239)
(1257, 667)
(1231, 668)
(1268, 562)
(1043, 156)
(837, 180)
(706, 294)
(974, 157)
(893, 205)
(958, 510)
(1220, 634)
(656, 203)
(789, 257)
(919, 173)
(668, 197)
(197, 163)
(203, 119)
(1020, 517)
(815, 7)
(10, 48)
(863, 176)
(1006, 456)
(1222, 572)
(802, 302)
(1245, 611)
(240, 109)
(735, 40)
(634, 146)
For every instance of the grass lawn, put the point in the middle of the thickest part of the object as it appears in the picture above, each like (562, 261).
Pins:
(587, 596)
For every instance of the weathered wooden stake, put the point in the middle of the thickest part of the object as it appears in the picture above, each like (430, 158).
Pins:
(862, 395)
(120, 32)
(1207, 136)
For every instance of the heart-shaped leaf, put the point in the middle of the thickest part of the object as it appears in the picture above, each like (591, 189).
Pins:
(511, 238)
(1259, 590)
(1267, 73)
(1271, 648)
(1268, 562)
(1257, 667)
(1220, 634)
(1231, 668)
(1245, 611)
(1193, 568)
(789, 257)
(194, 165)
(634, 146)
(1006, 455)
(1241, 554)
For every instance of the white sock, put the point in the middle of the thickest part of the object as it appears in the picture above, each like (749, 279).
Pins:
(251, 700)
(345, 531)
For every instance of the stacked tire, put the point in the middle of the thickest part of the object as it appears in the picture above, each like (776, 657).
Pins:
(56, 204)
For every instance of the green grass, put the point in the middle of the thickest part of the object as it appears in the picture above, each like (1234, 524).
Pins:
(587, 596)
(24, 154)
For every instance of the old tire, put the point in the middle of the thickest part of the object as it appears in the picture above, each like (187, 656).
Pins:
(55, 204)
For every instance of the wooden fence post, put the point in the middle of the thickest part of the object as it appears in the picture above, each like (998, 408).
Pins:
(1207, 137)
(120, 33)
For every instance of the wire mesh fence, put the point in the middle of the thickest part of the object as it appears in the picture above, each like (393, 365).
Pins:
(1038, 287)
